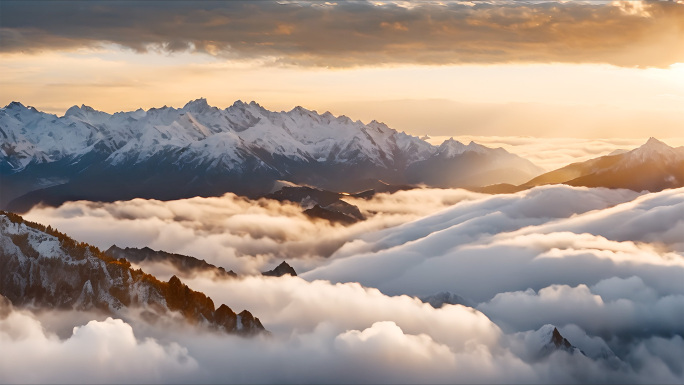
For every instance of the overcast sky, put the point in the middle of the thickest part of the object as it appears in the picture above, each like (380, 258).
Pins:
(589, 69)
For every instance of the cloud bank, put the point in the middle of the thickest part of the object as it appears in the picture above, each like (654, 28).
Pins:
(543, 236)
(344, 34)
(604, 266)
(327, 333)
(99, 351)
(234, 232)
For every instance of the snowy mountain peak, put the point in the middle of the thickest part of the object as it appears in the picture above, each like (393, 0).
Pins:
(548, 339)
(162, 108)
(654, 150)
(78, 111)
(73, 110)
(238, 104)
(653, 143)
(378, 125)
(451, 142)
(300, 110)
(450, 148)
(197, 105)
(15, 105)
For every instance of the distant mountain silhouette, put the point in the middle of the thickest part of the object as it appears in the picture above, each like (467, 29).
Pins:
(186, 266)
(652, 167)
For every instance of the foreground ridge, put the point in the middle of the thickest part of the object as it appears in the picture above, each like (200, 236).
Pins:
(47, 269)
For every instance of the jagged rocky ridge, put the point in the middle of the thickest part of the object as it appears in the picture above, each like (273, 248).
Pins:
(547, 340)
(44, 268)
(283, 269)
(168, 153)
(185, 265)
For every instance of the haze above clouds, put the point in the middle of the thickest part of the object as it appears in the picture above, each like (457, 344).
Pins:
(554, 153)
(558, 68)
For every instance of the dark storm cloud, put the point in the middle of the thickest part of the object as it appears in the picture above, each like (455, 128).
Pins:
(359, 32)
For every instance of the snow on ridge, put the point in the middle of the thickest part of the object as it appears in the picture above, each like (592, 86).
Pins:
(299, 134)
(653, 150)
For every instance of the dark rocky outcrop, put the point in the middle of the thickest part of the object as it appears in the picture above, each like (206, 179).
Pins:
(281, 270)
(186, 266)
(330, 215)
(322, 204)
(559, 341)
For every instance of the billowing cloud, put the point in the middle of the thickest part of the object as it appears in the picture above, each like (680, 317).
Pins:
(468, 228)
(614, 307)
(99, 351)
(325, 333)
(346, 34)
(234, 232)
(604, 266)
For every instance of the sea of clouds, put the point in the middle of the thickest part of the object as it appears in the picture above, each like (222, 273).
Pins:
(606, 267)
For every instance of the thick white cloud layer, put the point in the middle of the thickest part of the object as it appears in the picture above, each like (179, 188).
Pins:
(225, 229)
(544, 236)
(604, 266)
(326, 333)
(100, 351)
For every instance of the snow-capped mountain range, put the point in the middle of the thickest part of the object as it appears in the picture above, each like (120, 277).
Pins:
(169, 153)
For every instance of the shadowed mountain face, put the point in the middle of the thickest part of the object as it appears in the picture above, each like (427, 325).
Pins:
(46, 269)
(323, 204)
(477, 167)
(169, 153)
(654, 166)
(185, 265)
(547, 340)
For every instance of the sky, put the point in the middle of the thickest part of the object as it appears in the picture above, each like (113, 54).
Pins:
(594, 69)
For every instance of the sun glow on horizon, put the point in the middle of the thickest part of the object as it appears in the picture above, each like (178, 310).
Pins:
(112, 79)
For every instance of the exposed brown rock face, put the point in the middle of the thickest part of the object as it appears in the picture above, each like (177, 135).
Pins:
(560, 341)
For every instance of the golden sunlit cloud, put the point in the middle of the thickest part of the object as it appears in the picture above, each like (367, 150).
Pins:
(358, 33)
